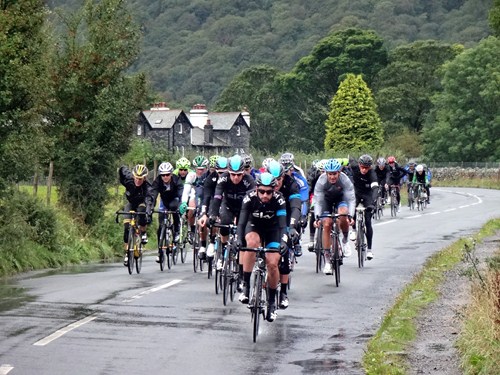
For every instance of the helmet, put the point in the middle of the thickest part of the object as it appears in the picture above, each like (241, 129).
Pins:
(420, 168)
(140, 171)
(332, 165)
(236, 164)
(314, 163)
(275, 168)
(265, 179)
(365, 160)
(200, 162)
(266, 162)
(165, 168)
(391, 159)
(221, 163)
(183, 163)
(213, 160)
(381, 162)
(247, 160)
(344, 162)
(321, 164)
(286, 160)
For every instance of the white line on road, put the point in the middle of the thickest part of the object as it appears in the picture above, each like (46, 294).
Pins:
(449, 210)
(152, 290)
(434, 213)
(64, 330)
(413, 217)
(465, 206)
(386, 222)
(5, 369)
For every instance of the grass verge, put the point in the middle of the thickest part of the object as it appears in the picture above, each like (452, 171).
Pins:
(386, 350)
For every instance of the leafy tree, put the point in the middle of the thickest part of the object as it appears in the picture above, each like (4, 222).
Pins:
(353, 122)
(494, 18)
(404, 88)
(96, 104)
(24, 49)
(467, 115)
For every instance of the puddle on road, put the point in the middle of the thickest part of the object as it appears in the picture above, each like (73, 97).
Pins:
(320, 365)
(70, 270)
(13, 297)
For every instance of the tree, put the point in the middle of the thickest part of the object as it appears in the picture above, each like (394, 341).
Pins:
(405, 87)
(353, 122)
(96, 105)
(467, 114)
(24, 88)
(494, 18)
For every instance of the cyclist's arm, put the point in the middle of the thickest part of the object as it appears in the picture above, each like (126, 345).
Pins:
(319, 194)
(243, 217)
(373, 184)
(348, 192)
(219, 191)
(208, 192)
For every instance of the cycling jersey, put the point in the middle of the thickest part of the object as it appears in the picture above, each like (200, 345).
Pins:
(394, 174)
(291, 193)
(193, 187)
(326, 195)
(231, 194)
(304, 191)
(365, 185)
(135, 195)
(381, 174)
(209, 190)
(168, 192)
(421, 178)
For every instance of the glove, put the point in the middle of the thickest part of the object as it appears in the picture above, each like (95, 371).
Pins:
(283, 248)
(303, 222)
(294, 236)
(182, 208)
(149, 210)
(239, 243)
(211, 220)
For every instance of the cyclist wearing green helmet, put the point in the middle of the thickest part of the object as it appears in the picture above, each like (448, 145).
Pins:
(212, 161)
(182, 168)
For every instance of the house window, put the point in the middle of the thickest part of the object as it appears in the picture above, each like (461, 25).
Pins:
(180, 128)
(139, 129)
(238, 131)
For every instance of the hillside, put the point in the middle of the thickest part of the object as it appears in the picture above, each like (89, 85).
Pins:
(192, 49)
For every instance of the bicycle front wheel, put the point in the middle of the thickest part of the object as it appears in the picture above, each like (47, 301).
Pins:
(256, 305)
(336, 260)
(138, 260)
(360, 240)
(318, 247)
(130, 251)
(161, 249)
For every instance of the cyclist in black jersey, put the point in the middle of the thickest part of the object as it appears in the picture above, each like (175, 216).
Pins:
(262, 222)
(394, 175)
(138, 194)
(366, 190)
(421, 177)
(381, 172)
(287, 186)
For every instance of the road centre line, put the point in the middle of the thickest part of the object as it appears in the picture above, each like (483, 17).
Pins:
(152, 290)
(450, 209)
(64, 330)
(386, 222)
(5, 369)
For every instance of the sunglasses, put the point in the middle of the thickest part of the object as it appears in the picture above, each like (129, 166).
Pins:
(236, 174)
(166, 174)
(182, 169)
(265, 191)
(364, 167)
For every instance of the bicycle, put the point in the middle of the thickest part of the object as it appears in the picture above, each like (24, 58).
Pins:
(335, 255)
(259, 292)
(394, 200)
(166, 248)
(318, 249)
(226, 278)
(411, 196)
(134, 246)
(360, 235)
(421, 196)
(378, 211)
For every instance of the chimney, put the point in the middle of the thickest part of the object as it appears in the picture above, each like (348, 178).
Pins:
(209, 132)
(160, 106)
(246, 115)
(198, 115)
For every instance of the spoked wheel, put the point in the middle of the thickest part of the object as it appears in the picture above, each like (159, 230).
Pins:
(256, 304)
(233, 279)
(138, 258)
(210, 266)
(320, 255)
(196, 248)
(225, 283)
(130, 251)
(162, 246)
(336, 262)
(360, 247)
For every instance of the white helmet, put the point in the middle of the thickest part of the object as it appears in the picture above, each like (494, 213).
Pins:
(165, 168)
(420, 168)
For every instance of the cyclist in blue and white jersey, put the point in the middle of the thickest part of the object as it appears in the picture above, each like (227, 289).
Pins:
(333, 190)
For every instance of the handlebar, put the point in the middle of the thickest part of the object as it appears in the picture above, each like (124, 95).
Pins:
(118, 213)
(260, 249)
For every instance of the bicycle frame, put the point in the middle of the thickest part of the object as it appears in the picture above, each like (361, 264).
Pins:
(360, 235)
(335, 256)
(134, 247)
(227, 278)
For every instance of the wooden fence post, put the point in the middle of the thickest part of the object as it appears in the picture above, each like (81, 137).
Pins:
(35, 182)
(49, 180)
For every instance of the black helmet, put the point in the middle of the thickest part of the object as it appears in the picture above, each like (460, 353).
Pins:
(365, 160)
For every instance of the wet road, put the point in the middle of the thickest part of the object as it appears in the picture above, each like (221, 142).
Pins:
(97, 319)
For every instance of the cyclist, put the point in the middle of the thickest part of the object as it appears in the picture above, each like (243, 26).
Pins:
(408, 178)
(381, 172)
(421, 177)
(288, 158)
(394, 175)
(211, 163)
(182, 168)
(288, 187)
(193, 194)
(138, 194)
(366, 191)
(170, 188)
(286, 161)
(334, 190)
(231, 188)
(220, 166)
(346, 168)
(262, 221)
(265, 163)
(247, 160)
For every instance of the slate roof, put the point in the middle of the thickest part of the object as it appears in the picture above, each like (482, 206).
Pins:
(223, 120)
(159, 119)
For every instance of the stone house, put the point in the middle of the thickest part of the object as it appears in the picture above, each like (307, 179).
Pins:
(208, 133)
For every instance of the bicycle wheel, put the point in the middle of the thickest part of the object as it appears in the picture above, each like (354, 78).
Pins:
(219, 273)
(256, 303)
(336, 260)
(196, 248)
(225, 274)
(320, 256)
(360, 239)
(210, 266)
(130, 250)
(161, 248)
(138, 256)
(233, 279)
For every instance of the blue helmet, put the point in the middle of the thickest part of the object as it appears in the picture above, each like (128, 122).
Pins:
(236, 164)
(332, 165)
(275, 168)
(265, 179)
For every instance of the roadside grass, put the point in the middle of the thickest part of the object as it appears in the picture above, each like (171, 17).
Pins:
(484, 183)
(386, 350)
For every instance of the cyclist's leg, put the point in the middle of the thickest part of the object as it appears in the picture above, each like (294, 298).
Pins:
(143, 222)
(173, 205)
(247, 260)
(126, 229)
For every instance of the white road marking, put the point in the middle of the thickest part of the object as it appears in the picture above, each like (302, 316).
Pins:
(449, 210)
(465, 206)
(152, 290)
(64, 330)
(434, 213)
(386, 222)
(5, 369)
(414, 216)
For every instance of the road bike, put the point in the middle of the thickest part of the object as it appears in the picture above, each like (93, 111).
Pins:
(259, 292)
(394, 200)
(378, 210)
(335, 247)
(318, 249)
(167, 251)
(421, 196)
(134, 246)
(360, 235)
(227, 277)
(411, 196)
